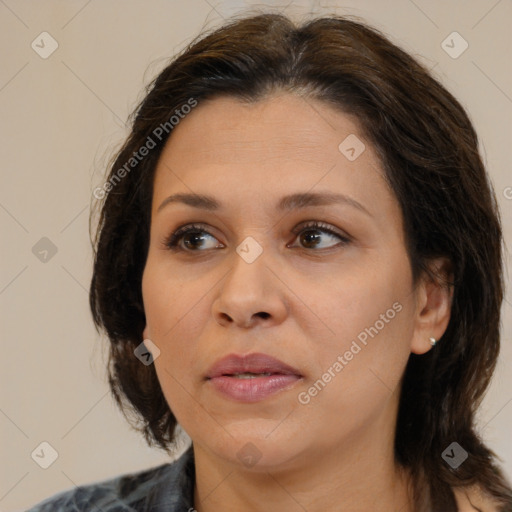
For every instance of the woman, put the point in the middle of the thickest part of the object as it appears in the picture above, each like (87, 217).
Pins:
(298, 260)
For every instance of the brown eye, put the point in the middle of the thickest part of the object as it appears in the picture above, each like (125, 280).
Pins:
(310, 238)
(195, 238)
(313, 234)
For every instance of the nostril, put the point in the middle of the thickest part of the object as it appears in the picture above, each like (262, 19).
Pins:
(226, 317)
(263, 314)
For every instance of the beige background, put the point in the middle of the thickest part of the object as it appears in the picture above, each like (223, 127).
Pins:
(61, 118)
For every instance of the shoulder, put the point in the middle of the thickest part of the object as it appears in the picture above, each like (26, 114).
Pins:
(473, 499)
(166, 487)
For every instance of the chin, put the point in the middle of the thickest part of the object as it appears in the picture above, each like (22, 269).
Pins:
(258, 454)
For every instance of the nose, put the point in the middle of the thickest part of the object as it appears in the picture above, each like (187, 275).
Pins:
(251, 294)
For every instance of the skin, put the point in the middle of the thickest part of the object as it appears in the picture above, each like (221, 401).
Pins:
(208, 302)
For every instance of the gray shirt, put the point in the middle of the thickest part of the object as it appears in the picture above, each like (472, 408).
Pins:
(165, 488)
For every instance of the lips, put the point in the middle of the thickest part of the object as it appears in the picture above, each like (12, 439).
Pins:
(255, 363)
(251, 378)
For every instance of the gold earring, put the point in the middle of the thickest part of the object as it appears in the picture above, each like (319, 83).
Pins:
(433, 341)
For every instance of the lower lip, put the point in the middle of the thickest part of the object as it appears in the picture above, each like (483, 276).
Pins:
(253, 389)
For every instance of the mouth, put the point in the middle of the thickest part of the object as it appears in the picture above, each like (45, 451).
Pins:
(251, 378)
(250, 366)
(249, 375)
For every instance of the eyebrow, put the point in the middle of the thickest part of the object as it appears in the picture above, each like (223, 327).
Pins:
(287, 203)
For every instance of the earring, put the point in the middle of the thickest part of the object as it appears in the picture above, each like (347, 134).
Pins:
(433, 341)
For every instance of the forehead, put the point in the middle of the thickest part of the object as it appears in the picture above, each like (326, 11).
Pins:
(278, 126)
(278, 145)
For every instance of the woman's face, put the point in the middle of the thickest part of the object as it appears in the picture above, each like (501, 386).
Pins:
(335, 302)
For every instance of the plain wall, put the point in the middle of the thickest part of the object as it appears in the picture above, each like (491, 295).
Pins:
(62, 119)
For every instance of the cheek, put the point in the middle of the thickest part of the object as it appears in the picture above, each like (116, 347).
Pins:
(167, 297)
(369, 298)
(358, 377)
(174, 316)
(370, 317)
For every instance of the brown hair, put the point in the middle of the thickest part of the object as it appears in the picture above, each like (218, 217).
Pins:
(429, 152)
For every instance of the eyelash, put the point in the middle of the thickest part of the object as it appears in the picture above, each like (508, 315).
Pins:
(171, 242)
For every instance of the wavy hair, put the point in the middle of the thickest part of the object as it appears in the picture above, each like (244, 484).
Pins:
(429, 152)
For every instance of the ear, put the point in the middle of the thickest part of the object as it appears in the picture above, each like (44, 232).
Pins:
(145, 333)
(433, 305)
